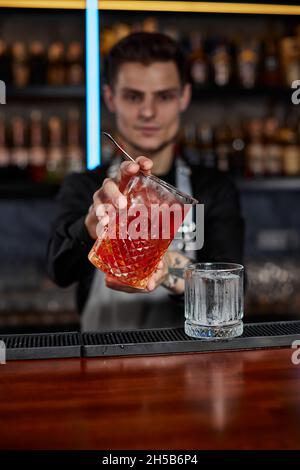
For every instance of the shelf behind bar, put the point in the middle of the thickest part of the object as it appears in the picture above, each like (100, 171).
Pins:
(27, 190)
(234, 92)
(202, 93)
(269, 184)
(23, 189)
(46, 92)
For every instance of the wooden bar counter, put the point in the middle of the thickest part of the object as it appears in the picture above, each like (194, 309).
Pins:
(220, 400)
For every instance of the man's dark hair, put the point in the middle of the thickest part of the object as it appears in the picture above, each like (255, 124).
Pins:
(145, 48)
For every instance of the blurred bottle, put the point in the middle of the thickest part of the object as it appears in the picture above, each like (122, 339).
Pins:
(237, 156)
(19, 153)
(121, 30)
(273, 152)
(297, 34)
(247, 64)
(74, 151)
(270, 73)
(75, 64)
(37, 152)
(107, 41)
(20, 65)
(198, 62)
(189, 143)
(5, 63)
(290, 59)
(221, 64)
(223, 147)
(150, 25)
(55, 158)
(4, 151)
(290, 148)
(255, 151)
(37, 63)
(205, 145)
(56, 70)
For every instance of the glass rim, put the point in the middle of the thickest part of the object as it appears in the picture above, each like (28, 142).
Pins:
(202, 267)
(169, 187)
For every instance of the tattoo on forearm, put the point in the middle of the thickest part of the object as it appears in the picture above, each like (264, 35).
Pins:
(177, 262)
(171, 281)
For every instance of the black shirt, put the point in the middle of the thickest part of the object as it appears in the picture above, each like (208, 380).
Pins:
(70, 242)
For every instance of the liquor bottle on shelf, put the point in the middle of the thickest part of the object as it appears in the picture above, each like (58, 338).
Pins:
(273, 151)
(237, 157)
(150, 25)
(37, 152)
(107, 41)
(290, 148)
(19, 152)
(5, 62)
(290, 59)
(297, 33)
(206, 145)
(75, 65)
(56, 70)
(74, 151)
(198, 61)
(4, 151)
(247, 64)
(223, 147)
(20, 65)
(221, 64)
(37, 63)
(55, 159)
(121, 30)
(189, 143)
(255, 151)
(270, 70)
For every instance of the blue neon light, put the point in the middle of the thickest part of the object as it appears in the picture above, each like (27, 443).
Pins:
(93, 111)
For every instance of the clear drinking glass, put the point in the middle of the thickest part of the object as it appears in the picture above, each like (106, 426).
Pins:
(214, 300)
(130, 257)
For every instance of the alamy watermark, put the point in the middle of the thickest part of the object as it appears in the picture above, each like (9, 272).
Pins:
(295, 359)
(153, 222)
(296, 94)
(2, 352)
(2, 92)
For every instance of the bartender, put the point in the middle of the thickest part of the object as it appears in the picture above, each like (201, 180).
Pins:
(147, 91)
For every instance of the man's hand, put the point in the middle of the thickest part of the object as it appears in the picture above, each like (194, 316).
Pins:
(154, 281)
(110, 193)
(161, 276)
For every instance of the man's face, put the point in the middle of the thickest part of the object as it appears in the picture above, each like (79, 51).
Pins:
(147, 102)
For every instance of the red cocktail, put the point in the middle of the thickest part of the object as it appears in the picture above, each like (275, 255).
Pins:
(138, 237)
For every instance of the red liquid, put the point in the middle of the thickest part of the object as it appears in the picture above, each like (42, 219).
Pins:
(132, 261)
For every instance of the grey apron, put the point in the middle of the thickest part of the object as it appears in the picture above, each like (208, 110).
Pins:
(107, 309)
